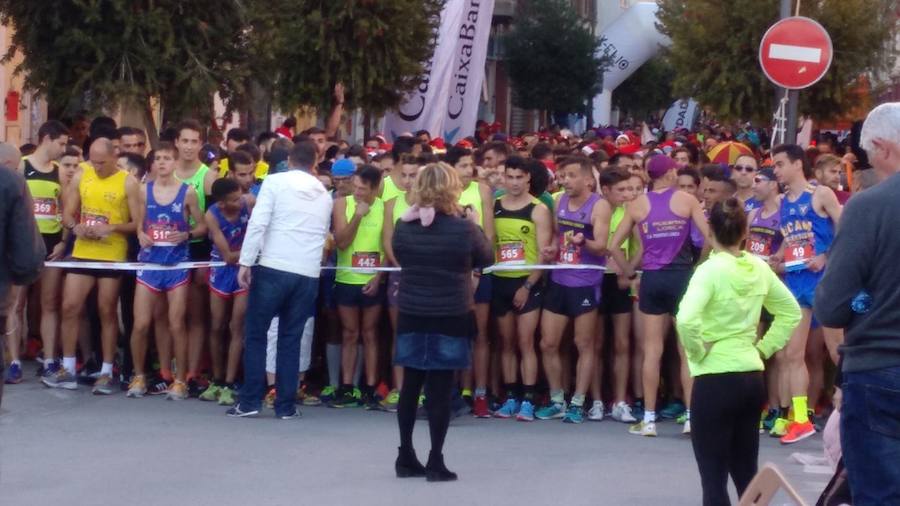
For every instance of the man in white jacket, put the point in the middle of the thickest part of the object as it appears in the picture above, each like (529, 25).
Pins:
(280, 261)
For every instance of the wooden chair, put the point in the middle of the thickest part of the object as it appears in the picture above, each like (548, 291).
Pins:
(765, 485)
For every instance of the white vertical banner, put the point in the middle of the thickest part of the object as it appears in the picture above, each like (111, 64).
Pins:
(467, 70)
(682, 114)
(424, 107)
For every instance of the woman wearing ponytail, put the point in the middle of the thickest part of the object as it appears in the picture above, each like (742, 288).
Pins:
(438, 245)
(717, 323)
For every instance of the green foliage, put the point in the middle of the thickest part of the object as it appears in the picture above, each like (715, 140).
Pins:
(94, 53)
(715, 52)
(648, 90)
(377, 48)
(551, 58)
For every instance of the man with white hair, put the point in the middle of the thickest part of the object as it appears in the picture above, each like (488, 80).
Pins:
(859, 293)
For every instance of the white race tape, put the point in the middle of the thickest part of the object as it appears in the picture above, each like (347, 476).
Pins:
(133, 266)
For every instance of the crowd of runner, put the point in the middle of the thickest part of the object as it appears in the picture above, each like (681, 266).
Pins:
(614, 225)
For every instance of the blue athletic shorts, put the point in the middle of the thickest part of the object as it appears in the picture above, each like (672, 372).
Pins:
(223, 281)
(483, 290)
(803, 285)
(163, 281)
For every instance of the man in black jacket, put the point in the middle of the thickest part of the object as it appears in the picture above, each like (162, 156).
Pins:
(21, 252)
(859, 293)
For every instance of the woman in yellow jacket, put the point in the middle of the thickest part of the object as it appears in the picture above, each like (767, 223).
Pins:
(717, 322)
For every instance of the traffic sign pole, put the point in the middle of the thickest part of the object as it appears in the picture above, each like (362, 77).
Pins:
(790, 134)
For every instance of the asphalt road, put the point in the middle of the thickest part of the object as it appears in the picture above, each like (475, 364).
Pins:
(72, 448)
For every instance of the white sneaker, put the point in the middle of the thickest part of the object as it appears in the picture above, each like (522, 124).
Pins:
(596, 412)
(687, 427)
(622, 413)
(643, 429)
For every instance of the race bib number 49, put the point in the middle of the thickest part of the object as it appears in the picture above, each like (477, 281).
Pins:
(796, 256)
(511, 253)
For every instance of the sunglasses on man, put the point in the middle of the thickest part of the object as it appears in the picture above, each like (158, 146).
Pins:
(744, 168)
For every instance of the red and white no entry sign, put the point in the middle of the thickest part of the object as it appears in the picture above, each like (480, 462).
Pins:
(795, 52)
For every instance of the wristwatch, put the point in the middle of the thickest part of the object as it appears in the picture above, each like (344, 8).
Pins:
(527, 285)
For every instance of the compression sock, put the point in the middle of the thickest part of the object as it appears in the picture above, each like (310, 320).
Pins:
(800, 407)
(649, 416)
(333, 360)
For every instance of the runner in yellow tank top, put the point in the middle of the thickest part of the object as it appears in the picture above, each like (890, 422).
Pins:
(393, 210)
(358, 221)
(479, 198)
(106, 199)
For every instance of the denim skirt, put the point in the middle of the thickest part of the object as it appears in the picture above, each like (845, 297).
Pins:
(429, 351)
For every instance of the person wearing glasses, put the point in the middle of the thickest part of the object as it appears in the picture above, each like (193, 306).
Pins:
(742, 173)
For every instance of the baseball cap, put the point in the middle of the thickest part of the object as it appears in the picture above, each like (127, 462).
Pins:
(659, 165)
(343, 168)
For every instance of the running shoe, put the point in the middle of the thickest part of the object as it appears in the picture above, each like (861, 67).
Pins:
(686, 430)
(779, 428)
(682, 419)
(468, 397)
(508, 409)
(551, 411)
(236, 412)
(88, 372)
(137, 387)
(672, 410)
(311, 400)
(622, 413)
(526, 412)
(357, 393)
(390, 402)
(103, 385)
(212, 393)
(798, 432)
(226, 396)
(768, 421)
(637, 410)
(480, 409)
(269, 400)
(371, 402)
(292, 416)
(643, 429)
(158, 386)
(49, 370)
(13, 374)
(327, 394)
(575, 414)
(62, 379)
(178, 391)
(197, 386)
(596, 412)
(345, 400)
(458, 406)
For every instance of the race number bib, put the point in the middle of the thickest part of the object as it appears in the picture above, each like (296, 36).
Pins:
(92, 220)
(511, 253)
(760, 246)
(161, 234)
(797, 255)
(569, 253)
(45, 209)
(366, 260)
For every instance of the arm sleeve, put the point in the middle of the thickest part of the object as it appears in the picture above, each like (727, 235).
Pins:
(847, 269)
(689, 320)
(784, 307)
(256, 228)
(26, 251)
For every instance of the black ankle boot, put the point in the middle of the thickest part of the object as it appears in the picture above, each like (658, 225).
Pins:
(407, 465)
(435, 470)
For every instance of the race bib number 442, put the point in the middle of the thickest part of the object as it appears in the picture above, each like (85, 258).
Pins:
(366, 259)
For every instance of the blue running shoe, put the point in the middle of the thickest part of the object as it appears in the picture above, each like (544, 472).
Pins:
(508, 409)
(14, 374)
(575, 414)
(526, 412)
(674, 409)
(551, 411)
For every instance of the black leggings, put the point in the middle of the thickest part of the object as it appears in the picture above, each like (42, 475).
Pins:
(438, 387)
(725, 431)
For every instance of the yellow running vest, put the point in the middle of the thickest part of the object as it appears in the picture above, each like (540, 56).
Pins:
(471, 196)
(516, 242)
(45, 191)
(366, 249)
(103, 200)
(391, 190)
